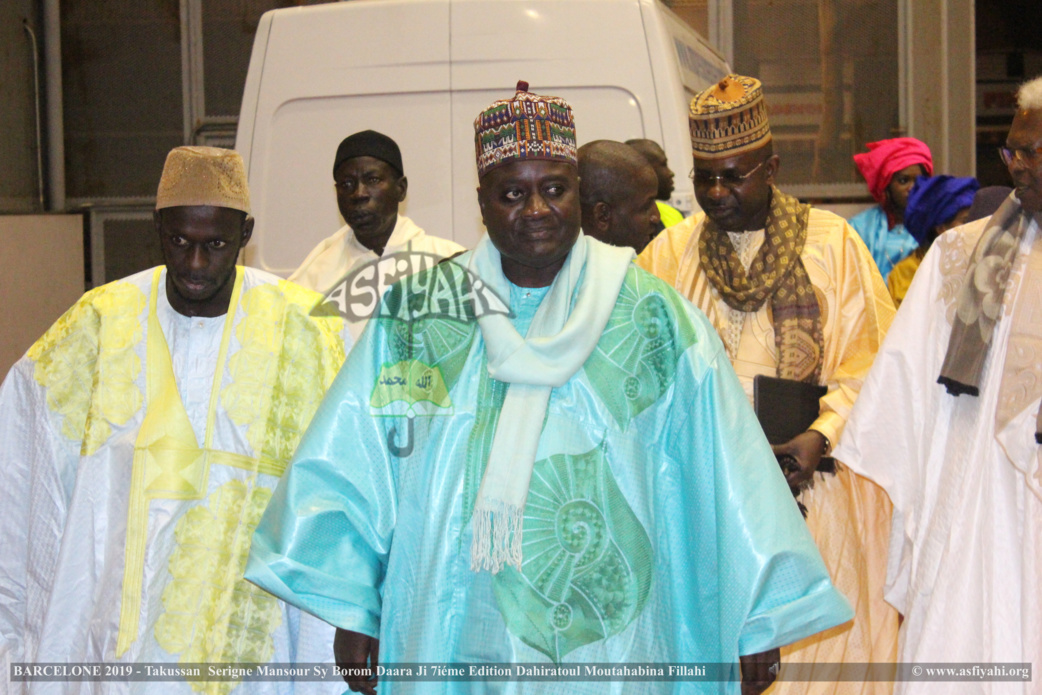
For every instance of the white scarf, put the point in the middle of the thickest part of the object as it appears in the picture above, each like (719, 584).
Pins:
(558, 343)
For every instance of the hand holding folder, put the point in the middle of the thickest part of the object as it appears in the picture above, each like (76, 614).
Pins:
(786, 409)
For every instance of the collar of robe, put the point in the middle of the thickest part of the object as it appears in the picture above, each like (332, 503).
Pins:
(168, 461)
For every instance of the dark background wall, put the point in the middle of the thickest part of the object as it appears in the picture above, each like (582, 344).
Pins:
(18, 172)
(124, 95)
(1009, 51)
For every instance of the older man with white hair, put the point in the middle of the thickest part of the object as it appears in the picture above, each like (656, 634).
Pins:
(949, 423)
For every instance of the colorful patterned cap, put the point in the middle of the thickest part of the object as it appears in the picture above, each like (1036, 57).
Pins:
(528, 126)
(203, 176)
(729, 118)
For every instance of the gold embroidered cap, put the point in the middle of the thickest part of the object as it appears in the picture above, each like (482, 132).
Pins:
(203, 176)
(729, 118)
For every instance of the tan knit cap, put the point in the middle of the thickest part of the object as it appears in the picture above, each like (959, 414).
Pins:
(203, 176)
(729, 118)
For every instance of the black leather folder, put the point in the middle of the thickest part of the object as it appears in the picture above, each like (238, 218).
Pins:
(785, 407)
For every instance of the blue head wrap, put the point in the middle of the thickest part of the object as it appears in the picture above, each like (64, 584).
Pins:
(935, 200)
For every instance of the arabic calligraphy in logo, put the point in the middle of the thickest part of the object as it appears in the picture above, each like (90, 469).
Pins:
(408, 388)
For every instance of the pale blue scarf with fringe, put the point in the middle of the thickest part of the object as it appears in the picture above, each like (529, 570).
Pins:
(558, 343)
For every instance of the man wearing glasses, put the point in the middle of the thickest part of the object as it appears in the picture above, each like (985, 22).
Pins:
(793, 293)
(948, 423)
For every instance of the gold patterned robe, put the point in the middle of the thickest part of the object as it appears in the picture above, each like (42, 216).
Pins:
(140, 449)
(848, 516)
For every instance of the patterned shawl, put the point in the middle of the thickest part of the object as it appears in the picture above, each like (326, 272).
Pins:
(979, 302)
(777, 274)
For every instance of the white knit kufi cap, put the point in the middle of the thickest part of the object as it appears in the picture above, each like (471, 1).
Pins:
(203, 176)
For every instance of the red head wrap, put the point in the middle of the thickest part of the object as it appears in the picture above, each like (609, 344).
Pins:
(887, 157)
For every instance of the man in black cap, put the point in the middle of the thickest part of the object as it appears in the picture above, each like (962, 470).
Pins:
(370, 183)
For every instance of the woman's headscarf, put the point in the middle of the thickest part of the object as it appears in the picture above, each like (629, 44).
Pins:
(887, 157)
(935, 201)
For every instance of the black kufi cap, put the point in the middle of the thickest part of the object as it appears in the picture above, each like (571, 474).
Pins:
(369, 143)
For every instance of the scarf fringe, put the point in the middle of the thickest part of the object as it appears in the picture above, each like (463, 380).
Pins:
(497, 536)
(957, 388)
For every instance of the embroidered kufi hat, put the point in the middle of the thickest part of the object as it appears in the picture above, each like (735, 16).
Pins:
(729, 118)
(527, 126)
(203, 176)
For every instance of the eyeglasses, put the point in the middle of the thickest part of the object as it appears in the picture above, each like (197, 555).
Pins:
(728, 179)
(1022, 155)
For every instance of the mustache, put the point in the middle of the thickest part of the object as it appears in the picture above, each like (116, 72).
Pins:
(541, 226)
(359, 215)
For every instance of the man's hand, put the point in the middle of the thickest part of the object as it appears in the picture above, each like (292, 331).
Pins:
(807, 449)
(759, 671)
(359, 653)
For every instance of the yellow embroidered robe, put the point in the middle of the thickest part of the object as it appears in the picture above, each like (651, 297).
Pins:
(849, 517)
(130, 486)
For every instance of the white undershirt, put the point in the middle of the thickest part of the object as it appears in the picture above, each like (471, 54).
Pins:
(746, 245)
(194, 343)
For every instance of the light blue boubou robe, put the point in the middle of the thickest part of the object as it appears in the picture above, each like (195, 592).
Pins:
(887, 246)
(658, 526)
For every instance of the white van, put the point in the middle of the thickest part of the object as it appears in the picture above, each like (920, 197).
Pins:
(420, 71)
